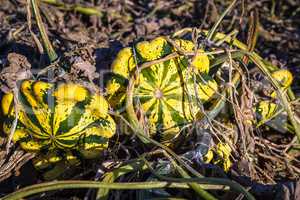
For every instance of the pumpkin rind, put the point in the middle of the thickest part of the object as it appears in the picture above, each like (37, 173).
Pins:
(63, 117)
(165, 92)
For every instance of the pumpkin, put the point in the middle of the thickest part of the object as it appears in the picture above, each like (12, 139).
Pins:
(167, 93)
(219, 155)
(284, 77)
(266, 109)
(56, 118)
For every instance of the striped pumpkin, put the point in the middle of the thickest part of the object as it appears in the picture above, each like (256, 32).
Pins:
(165, 91)
(58, 117)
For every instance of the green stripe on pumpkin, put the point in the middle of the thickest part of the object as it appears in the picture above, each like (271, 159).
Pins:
(98, 123)
(93, 141)
(143, 99)
(66, 143)
(176, 115)
(165, 71)
(160, 121)
(149, 76)
(74, 117)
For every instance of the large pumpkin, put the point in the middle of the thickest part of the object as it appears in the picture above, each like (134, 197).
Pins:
(58, 117)
(167, 93)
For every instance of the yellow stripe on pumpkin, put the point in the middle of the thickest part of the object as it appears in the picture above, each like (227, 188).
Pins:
(31, 145)
(170, 127)
(95, 110)
(201, 62)
(7, 104)
(98, 106)
(40, 89)
(71, 92)
(36, 131)
(42, 95)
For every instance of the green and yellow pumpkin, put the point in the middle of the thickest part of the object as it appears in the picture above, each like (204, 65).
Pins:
(167, 93)
(56, 118)
(219, 155)
(266, 109)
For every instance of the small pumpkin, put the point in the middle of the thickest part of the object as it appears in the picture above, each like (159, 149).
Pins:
(284, 77)
(266, 109)
(58, 118)
(220, 155)
(167, 93)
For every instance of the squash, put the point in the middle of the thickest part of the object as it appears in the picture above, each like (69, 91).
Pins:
(284, 77)
(219, 155)
(266, 109)
(55, 118)
(168, 93)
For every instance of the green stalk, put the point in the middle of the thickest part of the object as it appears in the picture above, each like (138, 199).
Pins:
(196, 187)
(46, 42)
(76, 8)
(110, 177)
(59, 185)
(212, 31)
(137, 165)
(75, 184)
(207, 180)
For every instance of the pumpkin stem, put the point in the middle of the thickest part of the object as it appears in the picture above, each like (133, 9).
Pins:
(46, 42)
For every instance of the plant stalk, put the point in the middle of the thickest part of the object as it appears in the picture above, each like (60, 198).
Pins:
(59, 185)
(46, 42)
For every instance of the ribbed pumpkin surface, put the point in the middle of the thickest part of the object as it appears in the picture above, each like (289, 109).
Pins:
(165, 92)
(67, 116)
